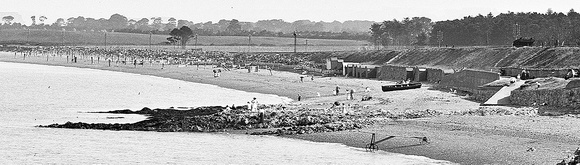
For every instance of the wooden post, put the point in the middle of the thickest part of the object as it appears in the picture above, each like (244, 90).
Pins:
(294, 41)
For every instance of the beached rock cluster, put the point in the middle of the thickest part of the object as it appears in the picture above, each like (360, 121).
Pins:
(213, 119)
(489, 111)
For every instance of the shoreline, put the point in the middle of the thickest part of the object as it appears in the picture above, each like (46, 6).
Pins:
(490, 139)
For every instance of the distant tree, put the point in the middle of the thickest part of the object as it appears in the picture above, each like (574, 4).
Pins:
(222, 25)
(142, 24)
(234, 26)
(42, 19)
(59, 22)
(33, 20)
(80, 22)
(157, 23)
(117, 21)
(181, 23)
(182, 34)
(7, 19)
(422, 39)
(376, 32)
(69, 21)
(132, 24)
(171, 24)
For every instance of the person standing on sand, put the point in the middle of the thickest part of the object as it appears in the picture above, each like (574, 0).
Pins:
(351, 94)
(254, 105)
(336, 90)
(347, 95)
(299, 97)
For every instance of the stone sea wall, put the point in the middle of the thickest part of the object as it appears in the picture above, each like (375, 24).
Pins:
(536, 72)
(389, 72)
(435, 75)
(397, 73)
(469, 78)
(569, 98)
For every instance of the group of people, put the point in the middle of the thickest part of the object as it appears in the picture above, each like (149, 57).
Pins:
(302, 78)
(253, 107)
(127, 55)
(525, 75)
(217, 72)
(404, 81)
(571, 73)
(349, 94)
(280, 58)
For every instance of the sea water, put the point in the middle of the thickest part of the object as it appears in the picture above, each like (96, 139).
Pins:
(32, 95)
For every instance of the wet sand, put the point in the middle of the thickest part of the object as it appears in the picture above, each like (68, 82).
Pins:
(465, 139)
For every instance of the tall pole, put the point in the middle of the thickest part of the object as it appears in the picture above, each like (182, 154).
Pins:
(249, 42)
(294, 41)
(306, 45)
(28, 36)
(149, 40)
(105, 40)
(195, 45)
(63, 37)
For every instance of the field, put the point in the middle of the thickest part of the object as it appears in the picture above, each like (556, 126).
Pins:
(221, 43)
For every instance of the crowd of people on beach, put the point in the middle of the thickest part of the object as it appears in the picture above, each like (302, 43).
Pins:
(167, 56)
(278, 58)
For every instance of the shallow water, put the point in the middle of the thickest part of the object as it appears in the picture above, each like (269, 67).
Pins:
(33, 95)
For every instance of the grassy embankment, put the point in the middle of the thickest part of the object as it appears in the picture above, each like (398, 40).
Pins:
(474, 58)
(222, 43)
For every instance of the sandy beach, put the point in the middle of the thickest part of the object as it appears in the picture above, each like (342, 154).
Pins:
(518, 137)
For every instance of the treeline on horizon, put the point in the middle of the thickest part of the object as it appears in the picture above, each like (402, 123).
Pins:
(354, 30)
(547, 29)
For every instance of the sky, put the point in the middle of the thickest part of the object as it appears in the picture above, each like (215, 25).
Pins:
(288, 10)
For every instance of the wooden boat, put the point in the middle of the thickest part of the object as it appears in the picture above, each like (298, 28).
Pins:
(401, 86)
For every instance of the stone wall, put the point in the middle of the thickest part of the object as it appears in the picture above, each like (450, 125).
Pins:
(569, 98)
(535, 72)
(434, 75)
(481, 94)
(468, 78)
(574, 83)
(397, 73)
(390, 72)
(361, 72)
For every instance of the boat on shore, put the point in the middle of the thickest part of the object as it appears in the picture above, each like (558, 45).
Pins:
(395, 87)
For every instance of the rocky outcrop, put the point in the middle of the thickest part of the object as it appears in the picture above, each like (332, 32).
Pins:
(217, 119)
(212, 119)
